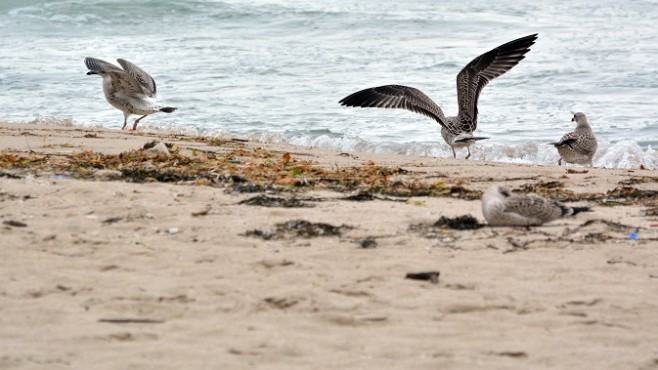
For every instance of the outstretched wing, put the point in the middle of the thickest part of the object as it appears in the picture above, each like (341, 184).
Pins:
(480, 71)
(145, 80)
(120, 79)
(98, 65)
(396, 96)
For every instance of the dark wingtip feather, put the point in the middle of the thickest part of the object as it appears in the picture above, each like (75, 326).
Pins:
(577, 210)
(572, 211)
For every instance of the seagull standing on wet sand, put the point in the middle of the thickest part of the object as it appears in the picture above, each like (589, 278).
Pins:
(501, 207)
(579, 145)
(456, 131)
(130, 90)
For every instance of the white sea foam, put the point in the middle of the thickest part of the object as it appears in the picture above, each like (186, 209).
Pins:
(623, 154)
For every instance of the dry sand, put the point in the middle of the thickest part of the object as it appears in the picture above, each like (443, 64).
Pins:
(121, 275)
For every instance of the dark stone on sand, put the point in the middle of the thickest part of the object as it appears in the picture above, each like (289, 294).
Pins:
(431, 276)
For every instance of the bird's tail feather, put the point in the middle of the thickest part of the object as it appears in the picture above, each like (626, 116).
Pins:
(572, 211)
(577, 210)
(470, 139)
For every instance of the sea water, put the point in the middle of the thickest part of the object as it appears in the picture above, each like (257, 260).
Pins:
(275, 70)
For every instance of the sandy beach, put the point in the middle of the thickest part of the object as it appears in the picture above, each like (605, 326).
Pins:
(228, 254)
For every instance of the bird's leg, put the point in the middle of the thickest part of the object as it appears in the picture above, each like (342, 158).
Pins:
(469, 152)
(559, 162)
(454, 155)
(125, 121)
(137, 121)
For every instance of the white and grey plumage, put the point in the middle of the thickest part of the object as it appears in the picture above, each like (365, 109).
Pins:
(579, 145)
(131, 89)
(456, 131)
(502, 208)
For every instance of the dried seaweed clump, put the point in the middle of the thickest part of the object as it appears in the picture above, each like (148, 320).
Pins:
(299, 228)
(465, 222)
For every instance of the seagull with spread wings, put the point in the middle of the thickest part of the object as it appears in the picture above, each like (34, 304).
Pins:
(456, 131)
(131, 89)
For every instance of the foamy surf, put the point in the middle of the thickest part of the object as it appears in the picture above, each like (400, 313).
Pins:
(620, 155)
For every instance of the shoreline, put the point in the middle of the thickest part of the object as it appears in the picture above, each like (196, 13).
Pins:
(235, 253)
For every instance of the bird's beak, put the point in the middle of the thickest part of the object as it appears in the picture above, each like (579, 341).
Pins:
(572, 120)
(92, 73)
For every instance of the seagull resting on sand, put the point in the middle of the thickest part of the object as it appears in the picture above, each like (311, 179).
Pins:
(131, 90)
(579, 145)
(456, 131)
(502, 208)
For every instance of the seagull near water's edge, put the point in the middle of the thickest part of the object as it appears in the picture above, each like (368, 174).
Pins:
(457, 131)
(130, 90)
(579, 145)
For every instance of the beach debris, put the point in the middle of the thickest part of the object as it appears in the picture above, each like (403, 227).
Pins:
(368, 243)
(173, 230)
(269, 263)
(153, 149)
(112, 220)
(7, 196)
(202, 212)
(258, 170)
(299, 228)
(267, 201)
(9, 175)
(572, 171)
(106, 175)
(285, 158)
(620, 260)
(431, 276)
(360, 197)
(517, 245)
(633, 235)
(132, 321)
(631, 192)
(281, 302)
(465, 222)
(14, 223)
(513, 354)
